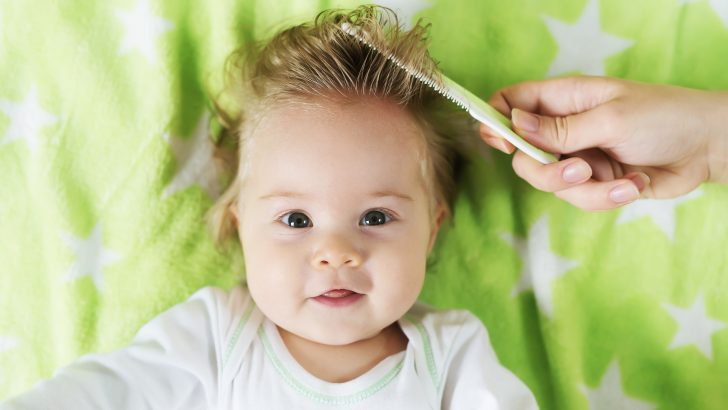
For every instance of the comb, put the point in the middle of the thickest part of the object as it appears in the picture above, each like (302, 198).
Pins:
(476, 107)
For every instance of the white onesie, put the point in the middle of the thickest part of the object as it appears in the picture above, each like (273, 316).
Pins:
(217, 351)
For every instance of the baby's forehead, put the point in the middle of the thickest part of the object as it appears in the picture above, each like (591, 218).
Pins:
(359, 118)
(330, 140)
(335, 105)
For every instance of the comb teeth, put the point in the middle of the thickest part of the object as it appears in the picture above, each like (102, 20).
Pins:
(417, 74)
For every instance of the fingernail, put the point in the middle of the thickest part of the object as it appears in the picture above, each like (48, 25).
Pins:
(624, 193)
(505, 147)
(576, 172)
(497, 143)
(641, 180)
(524, 121)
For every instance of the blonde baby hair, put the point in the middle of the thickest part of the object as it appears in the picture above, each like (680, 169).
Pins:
(318, 60)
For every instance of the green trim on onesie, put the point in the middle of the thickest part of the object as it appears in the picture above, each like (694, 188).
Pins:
(324, 398)
(236, 335)
(429, 357)
(431, 366)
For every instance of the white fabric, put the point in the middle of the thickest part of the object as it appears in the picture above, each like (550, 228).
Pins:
(217, 351)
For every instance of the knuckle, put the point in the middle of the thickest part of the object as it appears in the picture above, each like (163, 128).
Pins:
(561, 131)
(499, 101)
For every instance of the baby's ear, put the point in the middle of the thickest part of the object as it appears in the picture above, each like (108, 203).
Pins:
(233, 209)
(438, 218)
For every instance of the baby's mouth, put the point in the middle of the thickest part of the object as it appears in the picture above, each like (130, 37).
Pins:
(338, 297)
(337, 293)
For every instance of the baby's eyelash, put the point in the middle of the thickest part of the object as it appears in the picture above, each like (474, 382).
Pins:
(389, 213)
(280, 216)
(389, 216)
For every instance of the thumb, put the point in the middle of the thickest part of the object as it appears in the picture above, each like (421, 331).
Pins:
(562, 135)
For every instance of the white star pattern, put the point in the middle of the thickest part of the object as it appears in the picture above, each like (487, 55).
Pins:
(719, 6)
(610, 395)
(195, 163)
(694, 326)
(721, 9)
(91, 257)
(27, 119)
(541, 267)
(662, 211)
(141, 29)
(7, 343)
(583, 46)
(406, 9)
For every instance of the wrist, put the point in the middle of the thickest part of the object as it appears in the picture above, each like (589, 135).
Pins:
(718, 144)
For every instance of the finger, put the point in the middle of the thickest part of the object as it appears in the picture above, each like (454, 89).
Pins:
(551, 177)
(499, 102)
(530, 96)
(600, 196)
(494, 140)
(568, 134)
(556, 97)
(604, 168)
(641, 180)
(500, 144)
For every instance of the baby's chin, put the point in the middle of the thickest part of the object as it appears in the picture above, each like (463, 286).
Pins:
(335, 335)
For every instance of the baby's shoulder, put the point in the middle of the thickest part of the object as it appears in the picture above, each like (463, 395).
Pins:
(441, 322)
(210, 308)
(224, 305)
(234, 297)
(440, 332)
(224, 320)
(437, 338)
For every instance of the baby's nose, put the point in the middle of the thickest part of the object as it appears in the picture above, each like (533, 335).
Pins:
(336, 252)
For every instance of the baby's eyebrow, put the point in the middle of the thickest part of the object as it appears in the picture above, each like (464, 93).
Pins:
(283, 194)
(395, 194)
(377, 194)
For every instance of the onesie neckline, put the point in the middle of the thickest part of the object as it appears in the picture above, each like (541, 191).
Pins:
(322, 391)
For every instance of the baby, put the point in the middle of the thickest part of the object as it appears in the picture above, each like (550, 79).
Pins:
(345, 177)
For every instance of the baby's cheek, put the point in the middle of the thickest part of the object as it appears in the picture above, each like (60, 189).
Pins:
(400, 271)
(269, 266)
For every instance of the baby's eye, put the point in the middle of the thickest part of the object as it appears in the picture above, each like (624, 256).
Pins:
(375, 218)
(296, 220)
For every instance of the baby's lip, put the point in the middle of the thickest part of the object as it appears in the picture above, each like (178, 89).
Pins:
(337, 293)
(338, 298)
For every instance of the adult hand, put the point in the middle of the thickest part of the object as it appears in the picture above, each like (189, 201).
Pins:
(622, 140)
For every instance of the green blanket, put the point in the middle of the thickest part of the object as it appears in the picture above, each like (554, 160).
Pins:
(104, 116)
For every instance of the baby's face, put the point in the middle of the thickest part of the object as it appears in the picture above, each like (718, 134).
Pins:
(334, 218)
